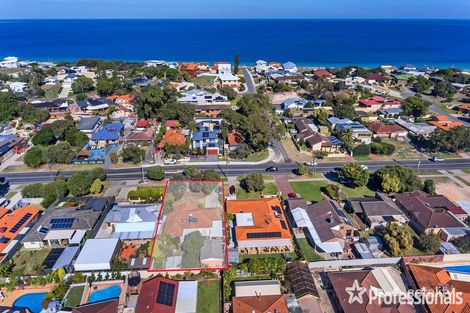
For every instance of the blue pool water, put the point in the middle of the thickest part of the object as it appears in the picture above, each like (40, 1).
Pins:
(460, 269)
(31, 301)
(97, 153)
(105, 294)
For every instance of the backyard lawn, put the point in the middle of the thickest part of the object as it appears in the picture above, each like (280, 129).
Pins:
(30, 261)
(208, 296)
(309, 190)
(309, 253)
(357, 192)
(74, 297)
(269, 188)
(204, 81)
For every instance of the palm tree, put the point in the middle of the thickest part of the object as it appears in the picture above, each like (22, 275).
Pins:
(346, 136)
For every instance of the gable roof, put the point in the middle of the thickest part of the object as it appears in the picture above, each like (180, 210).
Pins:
(261, 304)
(12, 223)
(381, 128)
(301, 280)
(172, 137)
(107, 306)
(108, 132)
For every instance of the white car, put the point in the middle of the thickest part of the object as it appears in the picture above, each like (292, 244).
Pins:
(169, 161)
(437, 159)
(364, 167)
(311, 163)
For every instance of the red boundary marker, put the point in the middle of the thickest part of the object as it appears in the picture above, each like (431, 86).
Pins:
(160, 215)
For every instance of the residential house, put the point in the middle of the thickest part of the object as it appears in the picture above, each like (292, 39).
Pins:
(432, 214)
(308, 133)
(142, 124)
(67, 223)
(226, 77)
(57, 109)
(164, 295)
(70, 78)
(380, 280)
(206, 139)
(203, 97)
(93, 105)
(293, 103)
(390, 113)
(388, 68)
(52, 80)
(464, 108)
(387, 130)
(106, 306)
(174, 137)
(212, 253)
(13, 226)
(376, 79)
(212, 110)
(322, 74)
(377, 103)
(443, 122)
(18, 87)
(107, 135)
(9, 62)
(324, 224)
(359, 132)
(301, 280)
(9, 145)
(290, 67)
(141, 137)
(130, 222)
(125, 101)
(356, 80)
(89, 125)
(416, 129)
(376, 211)
(262, 296)
(89, 260)
(260, 226)
(261, 66)
(234, 139)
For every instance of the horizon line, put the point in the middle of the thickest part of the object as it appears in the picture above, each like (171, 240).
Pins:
(235, 18)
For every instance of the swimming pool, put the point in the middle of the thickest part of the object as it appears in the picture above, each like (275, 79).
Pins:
(461, 269)
(105, 294)
(31, 301)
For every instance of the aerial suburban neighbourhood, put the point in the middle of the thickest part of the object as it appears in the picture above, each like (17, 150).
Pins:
(206, 187)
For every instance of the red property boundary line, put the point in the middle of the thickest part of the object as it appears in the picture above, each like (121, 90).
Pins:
(160, 215)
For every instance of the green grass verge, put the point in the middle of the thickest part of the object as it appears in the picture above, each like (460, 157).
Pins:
(362, 158)
(243, 257)
(208, 296)
(466, 170)
(357, 192)
(309, 253)
(74, 297)
(309, 190)
(269, 188)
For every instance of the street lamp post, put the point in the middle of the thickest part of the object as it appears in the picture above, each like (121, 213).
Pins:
(142, 168)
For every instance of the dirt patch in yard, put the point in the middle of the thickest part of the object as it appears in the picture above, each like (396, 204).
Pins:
(454, 192)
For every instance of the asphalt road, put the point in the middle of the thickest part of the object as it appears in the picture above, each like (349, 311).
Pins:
(250, 83)
(237, 169)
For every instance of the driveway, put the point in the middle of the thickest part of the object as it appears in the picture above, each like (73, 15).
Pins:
(282, 182)
(66, 88)
(250, 82)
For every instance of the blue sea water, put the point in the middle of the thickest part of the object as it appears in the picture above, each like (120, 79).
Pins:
(306, 42)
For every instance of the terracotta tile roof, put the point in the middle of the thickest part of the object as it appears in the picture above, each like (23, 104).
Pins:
(234, 138)
(430, 211)
(428, 277)
(109, 306)
(145, 135)
(142, 123)
(261, 304)
(264, 217)
(444, 123)
(322, 73)
(172, 137)
(172, 123)
(381, 128)
(11, 223)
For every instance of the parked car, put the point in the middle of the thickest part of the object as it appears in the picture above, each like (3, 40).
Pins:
(169, 161)
(364, 167)
(272, 169)
(437, 159)
(292, 195)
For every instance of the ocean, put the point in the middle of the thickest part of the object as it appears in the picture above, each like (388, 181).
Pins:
(328, 42)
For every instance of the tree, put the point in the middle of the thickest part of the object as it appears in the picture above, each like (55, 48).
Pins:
(362, 150)
(8, 106)
(422, 84)
(253, 182)
(409, 180)
(237, 63)
(108, 86)
(83, 85)
(61, 153)
(132, 154)
(190, 171)
(356, 175)
(346, 136)
(415, 106)
(96, 186)
(443, 89)
(462, 243)
(60, 127)
(228, 92)
(44, 137)
(344, 108)
(30, 114)
(76, 138)
(98, 173)
(321, 115)
(429, 186)
(151, 99)
(191, 247)
(183, 112)
(302, 170)
(34, 157)
(398, 238)
(79, 184)
(429, 243)
(390, 183)
(155, 173)
(453, 140)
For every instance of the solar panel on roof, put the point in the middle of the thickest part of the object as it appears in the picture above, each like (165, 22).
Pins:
(52, 257)
(4, 240)
(166, 292)
(43, 230)
(61, 223)
(20, 223)
(275, 234)
(283, 225)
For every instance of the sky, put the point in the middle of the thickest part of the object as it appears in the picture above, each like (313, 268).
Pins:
(96, 9)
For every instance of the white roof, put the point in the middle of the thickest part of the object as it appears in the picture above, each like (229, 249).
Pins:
(96, 251)
(186, 299)
(244, 219)
(78, 236)
(227, 77)
(59, 234)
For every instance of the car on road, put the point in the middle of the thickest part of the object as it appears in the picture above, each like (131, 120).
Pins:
(311, 163)
(272, 169)
(364, 167)
(437, 159)
(169, 161)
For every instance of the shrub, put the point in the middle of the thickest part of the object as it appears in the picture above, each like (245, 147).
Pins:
(155, 173)
(362, 150)
(332, 191)
(253, 182)
(34, 157)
